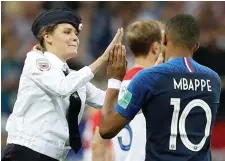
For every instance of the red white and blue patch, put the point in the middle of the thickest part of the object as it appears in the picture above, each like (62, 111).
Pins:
(188, 64)
(43, 64)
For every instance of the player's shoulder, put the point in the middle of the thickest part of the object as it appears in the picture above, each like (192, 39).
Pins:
(209, 72)
(153, 71)
(149, 75)
(131, 73)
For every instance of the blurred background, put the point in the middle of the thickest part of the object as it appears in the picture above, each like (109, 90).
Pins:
(100, 21)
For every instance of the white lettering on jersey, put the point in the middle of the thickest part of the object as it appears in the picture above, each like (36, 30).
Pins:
(192, 84)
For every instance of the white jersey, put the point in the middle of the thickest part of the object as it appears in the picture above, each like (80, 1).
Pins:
(129, 143)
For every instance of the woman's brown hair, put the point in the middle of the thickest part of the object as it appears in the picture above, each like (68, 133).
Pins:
(47, 29)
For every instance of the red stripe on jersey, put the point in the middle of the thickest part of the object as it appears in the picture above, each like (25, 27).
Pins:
(131, 73)
(188, 64)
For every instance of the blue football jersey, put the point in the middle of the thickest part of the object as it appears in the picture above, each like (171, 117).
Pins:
(179, 100)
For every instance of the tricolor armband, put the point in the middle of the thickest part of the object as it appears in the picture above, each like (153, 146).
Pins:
(114, 83)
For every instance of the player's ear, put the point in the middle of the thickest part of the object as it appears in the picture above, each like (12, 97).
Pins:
(165, 39)
(195, 47)
(156, 48)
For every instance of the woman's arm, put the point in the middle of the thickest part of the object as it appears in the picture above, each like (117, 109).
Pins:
(39, 70)
(94, 96)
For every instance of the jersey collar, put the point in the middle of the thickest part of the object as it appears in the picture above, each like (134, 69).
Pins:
(56, 61)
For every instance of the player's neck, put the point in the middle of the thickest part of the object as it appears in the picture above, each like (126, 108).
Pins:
(175, 52)
(144, 62)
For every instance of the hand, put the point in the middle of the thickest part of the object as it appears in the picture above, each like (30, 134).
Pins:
(117, 62)
(161, 56)
(116, 40)
(159, 60)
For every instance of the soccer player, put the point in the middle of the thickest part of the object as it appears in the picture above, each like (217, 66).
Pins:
(145, 41)
(179, 99)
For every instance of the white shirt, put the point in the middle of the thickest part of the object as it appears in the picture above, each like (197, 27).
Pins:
(38, 119)
(129, 143)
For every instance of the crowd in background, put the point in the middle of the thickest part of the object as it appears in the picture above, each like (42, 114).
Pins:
(100, 21)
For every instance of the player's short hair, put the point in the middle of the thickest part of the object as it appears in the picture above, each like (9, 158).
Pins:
(141, 34)
(184, 30)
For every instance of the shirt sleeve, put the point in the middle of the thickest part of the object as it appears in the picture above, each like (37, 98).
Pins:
(95, 96)
(39, 70)
(122, 91)
(133, 100)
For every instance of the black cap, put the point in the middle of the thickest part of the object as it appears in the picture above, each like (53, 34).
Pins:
(56, 16)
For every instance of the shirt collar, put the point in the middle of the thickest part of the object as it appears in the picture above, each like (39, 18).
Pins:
(56, 61)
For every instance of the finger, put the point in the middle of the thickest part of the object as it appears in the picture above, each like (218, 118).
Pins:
(119, 54)
(120, 36)
(114, 41)
(111, 56)
(126, 63)
(120, 51)
(116, 37)
(36, 47)
(159, 60)
(115, 53)
(123, 59)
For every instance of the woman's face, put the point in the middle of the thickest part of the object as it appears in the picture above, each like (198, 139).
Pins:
(64, 40)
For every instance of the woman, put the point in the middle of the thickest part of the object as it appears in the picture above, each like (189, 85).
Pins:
(39, 127)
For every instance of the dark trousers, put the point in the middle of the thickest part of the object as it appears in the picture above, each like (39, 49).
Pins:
(14, 152)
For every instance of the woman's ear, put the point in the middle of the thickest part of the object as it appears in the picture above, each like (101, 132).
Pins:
(48, 38)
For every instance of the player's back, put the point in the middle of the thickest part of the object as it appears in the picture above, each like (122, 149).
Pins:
(180, 110)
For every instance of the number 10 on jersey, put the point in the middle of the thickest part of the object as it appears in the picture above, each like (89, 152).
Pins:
(174, 123)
